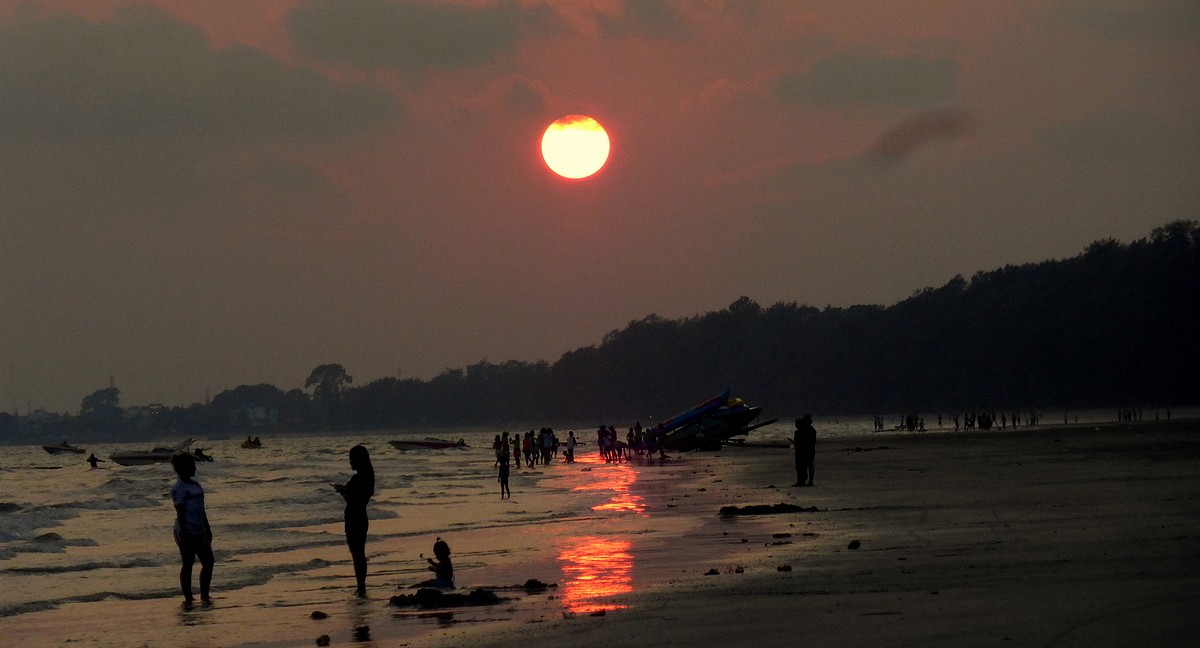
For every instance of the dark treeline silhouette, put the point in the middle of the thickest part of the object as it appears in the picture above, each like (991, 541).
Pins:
(1115, 325)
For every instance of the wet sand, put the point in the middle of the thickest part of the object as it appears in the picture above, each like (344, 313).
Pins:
(1051, 537)
(1055, 536)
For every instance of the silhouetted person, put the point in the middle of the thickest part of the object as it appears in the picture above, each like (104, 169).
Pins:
(503, 479)
(192, 533)
(92, 459)
(805, 441)
(357, 492)
(442, 568)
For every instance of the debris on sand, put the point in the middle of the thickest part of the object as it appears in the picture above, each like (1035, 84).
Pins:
(765, 509)
(429, 598)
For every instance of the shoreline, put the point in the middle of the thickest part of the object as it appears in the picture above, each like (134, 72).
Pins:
(1071, 535)
(1051, 535)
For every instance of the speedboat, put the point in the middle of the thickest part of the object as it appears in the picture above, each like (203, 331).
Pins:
(709, 424)
(63, 448)
(429, 443)
(146, 457)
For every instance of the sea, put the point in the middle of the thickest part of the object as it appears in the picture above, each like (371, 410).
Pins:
(82, 537)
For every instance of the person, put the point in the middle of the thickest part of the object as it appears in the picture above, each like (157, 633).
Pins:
(357, 492)
(192, 533)
(92, 459)
(570, 454)
(805, 442)
(442, 568)
(502, 460)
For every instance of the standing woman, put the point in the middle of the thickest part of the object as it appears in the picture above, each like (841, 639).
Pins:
(192, 533)
(357, 492)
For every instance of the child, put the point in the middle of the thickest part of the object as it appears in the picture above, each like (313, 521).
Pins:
(503, 479)
(442, 568)
(357, 492)
(192, 533)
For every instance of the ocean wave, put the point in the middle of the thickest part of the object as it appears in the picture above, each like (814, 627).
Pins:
(9, 507)
(231, 580)
(88, 566)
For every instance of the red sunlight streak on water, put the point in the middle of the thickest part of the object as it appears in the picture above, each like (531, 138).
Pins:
(616, 478)
(595, 569)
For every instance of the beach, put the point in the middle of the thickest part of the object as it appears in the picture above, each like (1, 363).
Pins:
(1077, 536)
(1055, 535)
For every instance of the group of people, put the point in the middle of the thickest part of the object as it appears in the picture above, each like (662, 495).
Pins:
(638, 442)
(540, 448)
(193, 534)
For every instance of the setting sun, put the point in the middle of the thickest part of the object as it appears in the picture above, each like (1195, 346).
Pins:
(575, 146)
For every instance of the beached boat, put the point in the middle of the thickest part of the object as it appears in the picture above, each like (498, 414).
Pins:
(63, 448)
(710, 432)
(428, 443)
(156, 455)
(708, 425)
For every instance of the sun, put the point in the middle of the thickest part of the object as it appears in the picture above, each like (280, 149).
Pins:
(575, 146)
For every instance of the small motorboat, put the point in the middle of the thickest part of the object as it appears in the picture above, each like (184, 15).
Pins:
(146, 457)
(252, 443)
(428, 443)
(63, 448)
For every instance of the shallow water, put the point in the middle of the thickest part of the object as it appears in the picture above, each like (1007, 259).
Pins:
(70, 534)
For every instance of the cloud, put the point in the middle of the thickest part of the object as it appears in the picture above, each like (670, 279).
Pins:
(1116, 135)
(408, 36)
(652, 18)
(855, 79)
(1124, 19)
(917, 131)
(146, 75)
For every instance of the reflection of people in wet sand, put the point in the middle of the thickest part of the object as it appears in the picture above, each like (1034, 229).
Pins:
(805, 442)
(442, 568)
(92, 459)
(192, 533)
(357, 492)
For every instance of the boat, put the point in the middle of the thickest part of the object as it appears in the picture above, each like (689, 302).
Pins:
(252, 443)
(63, 448)
(710, 424)
(153, 456)
(428, 443)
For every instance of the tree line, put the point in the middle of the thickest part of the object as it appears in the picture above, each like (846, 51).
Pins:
(1113, 326)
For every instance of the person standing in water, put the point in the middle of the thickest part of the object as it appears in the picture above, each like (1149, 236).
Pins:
(193, 536)
(805, 442)
(357, 492)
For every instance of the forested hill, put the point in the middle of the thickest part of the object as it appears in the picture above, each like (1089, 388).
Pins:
(1116, 325)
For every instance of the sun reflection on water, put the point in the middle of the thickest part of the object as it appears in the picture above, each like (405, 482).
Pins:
(594, 570)
(618, 479)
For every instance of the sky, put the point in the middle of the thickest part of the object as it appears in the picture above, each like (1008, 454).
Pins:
(201, 195)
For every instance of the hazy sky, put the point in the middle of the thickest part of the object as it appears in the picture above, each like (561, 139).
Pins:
(198, 195)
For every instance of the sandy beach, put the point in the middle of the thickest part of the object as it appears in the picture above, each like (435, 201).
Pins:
(1063, 536)
(1048, 537)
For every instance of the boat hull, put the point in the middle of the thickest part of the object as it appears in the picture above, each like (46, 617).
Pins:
(141, 458)
(63, 449)
(708, 432)
(146, 457)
